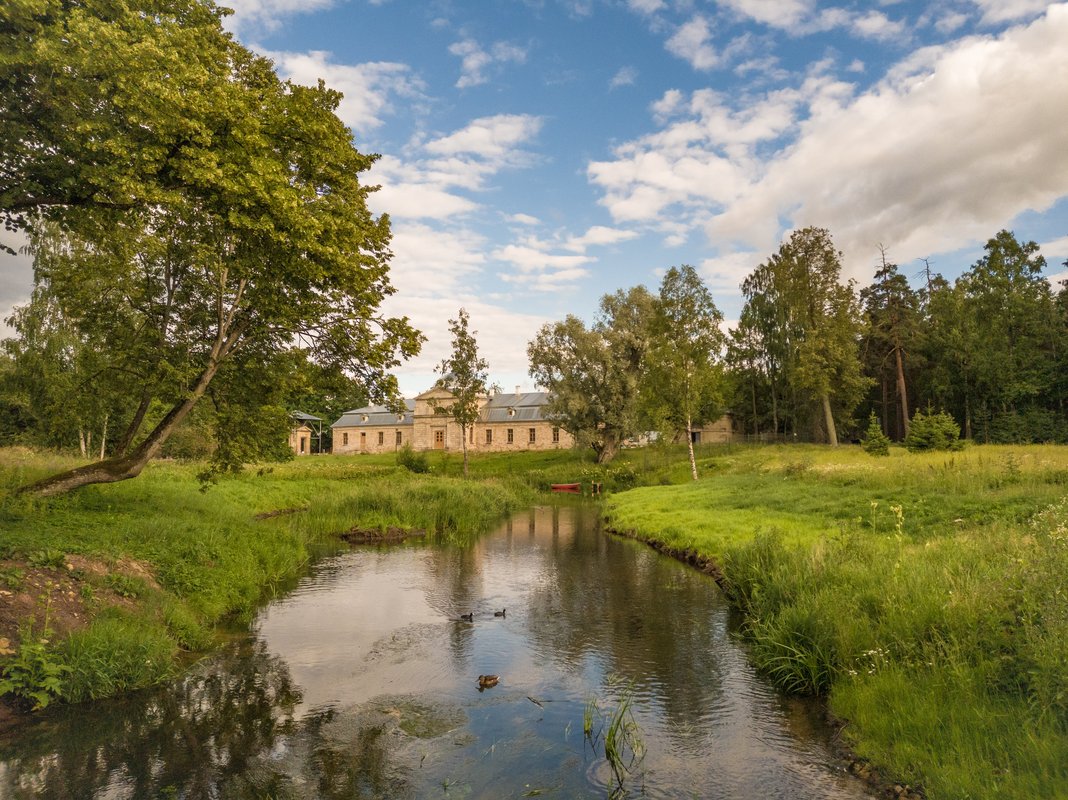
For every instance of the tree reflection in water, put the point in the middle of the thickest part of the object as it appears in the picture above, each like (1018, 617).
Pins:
(226, 730)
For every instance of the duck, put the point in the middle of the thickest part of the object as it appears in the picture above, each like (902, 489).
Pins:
(469, 617)
(487, 681)
(500, 613)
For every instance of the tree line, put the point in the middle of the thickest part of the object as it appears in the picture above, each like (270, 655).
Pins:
(812, 356)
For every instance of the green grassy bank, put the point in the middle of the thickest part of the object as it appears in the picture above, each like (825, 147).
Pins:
(926, 594)
(104, 590)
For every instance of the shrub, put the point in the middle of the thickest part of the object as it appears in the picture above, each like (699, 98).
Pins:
(933, 432)
(875, 442)
(411, 460)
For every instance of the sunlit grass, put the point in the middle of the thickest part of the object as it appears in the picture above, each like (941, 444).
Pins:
(924, 593)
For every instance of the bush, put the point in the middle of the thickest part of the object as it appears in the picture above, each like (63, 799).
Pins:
(933, 432)
(875, 442)
(411, 460)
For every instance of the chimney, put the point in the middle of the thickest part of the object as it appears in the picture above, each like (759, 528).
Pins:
(517, 391)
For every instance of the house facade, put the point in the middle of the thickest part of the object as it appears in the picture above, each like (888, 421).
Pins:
(505, 422)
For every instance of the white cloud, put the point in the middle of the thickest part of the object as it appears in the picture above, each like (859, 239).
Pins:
(626, 76)
(474, 60)
(646, 6)
(995, 11)
(598, 236)
(424, 187)
(495, 138)
(777, 13)
(1055, 251)
(691, 42)
(951, 145)
(432, 261)
(505, 352)
(524, 219)
(367, 88)
(538, 270)
(16, 277)
(876, 25)
(267, 15)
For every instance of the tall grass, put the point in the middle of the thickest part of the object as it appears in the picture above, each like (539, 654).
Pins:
(924, 593)
(211, 555)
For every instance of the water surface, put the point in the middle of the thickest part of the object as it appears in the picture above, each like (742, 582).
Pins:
(363, 683)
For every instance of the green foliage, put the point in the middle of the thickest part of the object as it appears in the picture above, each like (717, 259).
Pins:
(933, 432)
(464, 374)
(942, 641)
(34, 675)
(412, 460)
(158, 274)
(594, 375)
(875, 442)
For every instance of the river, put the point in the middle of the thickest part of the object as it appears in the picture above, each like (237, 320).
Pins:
(363, 682)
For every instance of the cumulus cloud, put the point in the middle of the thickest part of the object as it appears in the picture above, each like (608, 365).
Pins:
(625, 76)
(996, 11)
(475, 60)
(367, 88)
(692, 42)
(16, 278)
(1055, 251)
(251, 16)
(425, 185)
(598, 236)
(951, 144)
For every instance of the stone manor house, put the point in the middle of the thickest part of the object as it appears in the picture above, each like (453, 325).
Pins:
(505, 422)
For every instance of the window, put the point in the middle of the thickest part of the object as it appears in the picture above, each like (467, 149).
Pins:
(363, 440)
(509, 436)
(381, 437)
(532, 435)
(344, 440)
(489, 435)
(400, 436)
(556, 436)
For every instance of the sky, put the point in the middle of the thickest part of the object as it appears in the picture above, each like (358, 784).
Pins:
(538, 154)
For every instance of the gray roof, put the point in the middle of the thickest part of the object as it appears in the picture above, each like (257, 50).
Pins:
(526, 407)
(305, 417)
(374, 416)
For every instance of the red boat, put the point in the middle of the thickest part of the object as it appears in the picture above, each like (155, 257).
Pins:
(566, 488)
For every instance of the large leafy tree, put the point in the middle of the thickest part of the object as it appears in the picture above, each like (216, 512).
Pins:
(202, 214)
(684, 374)
(594, 374)
(810, 320)
(464, 374)
(892, 327)
(1011, 307)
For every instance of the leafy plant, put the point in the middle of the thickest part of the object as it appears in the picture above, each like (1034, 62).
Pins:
(933, 432)
(875, 442)
(34, 674)
(411, 460)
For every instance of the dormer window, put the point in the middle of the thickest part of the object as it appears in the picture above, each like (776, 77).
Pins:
(400, 418)
(363, 417)
(511, 412)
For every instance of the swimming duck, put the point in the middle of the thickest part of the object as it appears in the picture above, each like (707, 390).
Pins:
(487, 681)
(500, 613)
(469, 617)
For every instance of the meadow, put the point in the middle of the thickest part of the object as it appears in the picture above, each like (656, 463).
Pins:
(114, 587)
(924, 594)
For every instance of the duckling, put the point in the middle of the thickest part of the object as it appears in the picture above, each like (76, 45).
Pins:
(500, 613)
(469, 617)
(487, 681)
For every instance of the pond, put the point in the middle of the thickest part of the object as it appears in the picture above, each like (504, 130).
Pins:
(363, 682)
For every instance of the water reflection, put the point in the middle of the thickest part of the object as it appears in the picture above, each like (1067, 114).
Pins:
(362, 682)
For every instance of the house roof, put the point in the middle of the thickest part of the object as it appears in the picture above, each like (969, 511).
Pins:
(301, 416)
(375, 416)
(503, 407)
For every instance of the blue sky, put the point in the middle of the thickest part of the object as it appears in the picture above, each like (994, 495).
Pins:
(536, 155)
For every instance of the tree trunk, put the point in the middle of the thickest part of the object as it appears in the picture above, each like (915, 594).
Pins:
(901, 391)
(608, 449)
(689, 443)
(828, 418)
(81, 442)
(103, 437)
(463, 440)
(123, 467)
(134, 426)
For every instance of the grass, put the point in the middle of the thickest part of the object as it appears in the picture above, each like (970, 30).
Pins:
(924, 593)
(201, 557)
